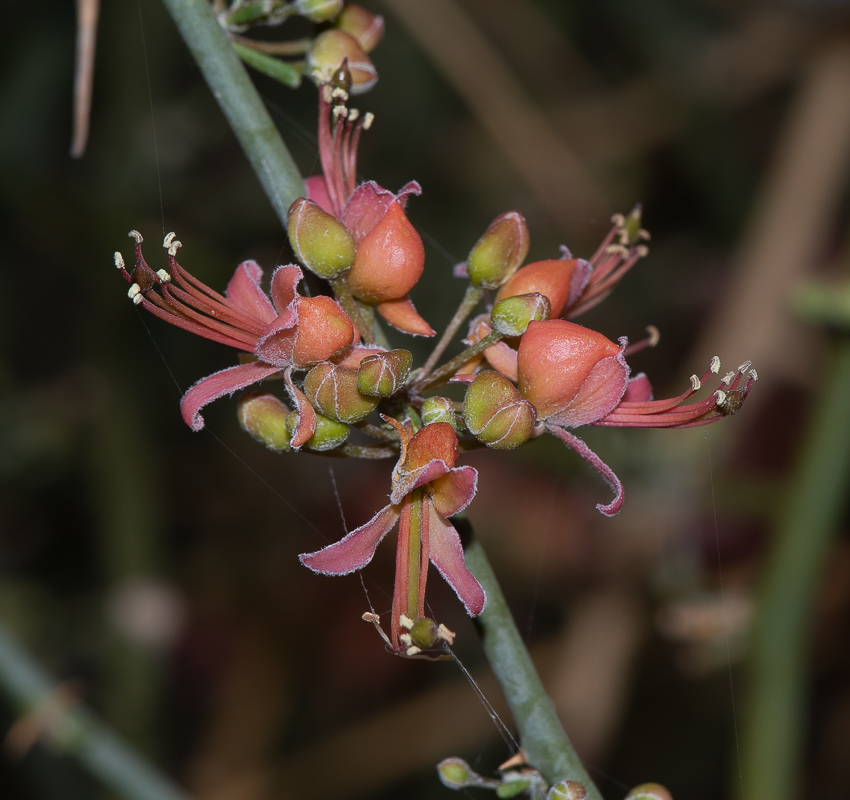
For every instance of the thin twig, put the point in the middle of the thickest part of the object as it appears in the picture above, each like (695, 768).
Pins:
(87, 15)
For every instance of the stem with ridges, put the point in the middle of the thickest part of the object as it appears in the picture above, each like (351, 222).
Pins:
(541, 735)
(235, 93)
(470, 300)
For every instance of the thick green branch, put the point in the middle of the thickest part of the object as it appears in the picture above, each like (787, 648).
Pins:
(541, 734)
(232, 88)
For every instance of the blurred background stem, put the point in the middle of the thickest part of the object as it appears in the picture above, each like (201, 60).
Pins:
(235, 93)
(774, 723)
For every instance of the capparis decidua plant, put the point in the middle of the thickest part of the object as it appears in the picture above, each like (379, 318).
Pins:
(323, 378)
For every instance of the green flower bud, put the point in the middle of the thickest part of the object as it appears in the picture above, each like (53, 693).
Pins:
(328, 434)
(333, 391)
(455, 773)
(631, 227)
(499, 252)
(567, 790)
(511, 316)
(263, 416)
(383, 374)
(424, 633)
(321, 242)
(439, 409)
(364, 26)
(496, 413)
(330, 48)
(649, 791)
(512, 788)
(318, 10)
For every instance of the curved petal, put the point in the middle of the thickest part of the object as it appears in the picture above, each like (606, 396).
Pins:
(275, 346)
(354, 355)
(367, 206)
(600, 392)
(638, 389)
(317, 191)
(502, 357)
(598, 464)
(402, 315)
(454, 491)
(306, 413)
(227, 381)
(354, 551)
(244, 290)
(408, 481)
(447, 557)
(284, 281)
(578, 281)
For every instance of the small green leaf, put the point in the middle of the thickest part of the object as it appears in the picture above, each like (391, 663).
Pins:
(279, 70)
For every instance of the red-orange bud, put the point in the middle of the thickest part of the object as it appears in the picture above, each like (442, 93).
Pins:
(332, 47)
(363, 25)
(561, 280)
(499, 252)
(323, 330)
(389, 260)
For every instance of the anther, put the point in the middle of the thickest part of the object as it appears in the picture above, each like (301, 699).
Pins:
(137, 299)
(340, 111)
(729, 377)
(338, 93)
(119, 260)
(405, 621)
(619, 220)
(169, 238)
(368, 119)
(642, 251)
(413, 651)
(745, 366)
(326, 92)
(407, 639)
(720, 395)
(163, 275)
(754, 375)
(616, 249)
(714, 366)
(353, 114)
(654, 335)
(445, 634)
(137, 236)
(134, 291)
(172, 248)
(643, 233)
(695, 383)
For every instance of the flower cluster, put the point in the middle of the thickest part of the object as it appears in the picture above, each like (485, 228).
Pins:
(528, 369)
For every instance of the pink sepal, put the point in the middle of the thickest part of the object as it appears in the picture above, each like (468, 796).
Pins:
(227, 381)
(638, 389)
(598, 464)
(463, 377)
(408, 481)
(454, 491)
(284, 283)
(367, 206)
(244, 290)
(354, 355)
(578, 281)
(306, 413)
(317, 191)
(502, 357)
(403, 316)
(356, 549)
(275, 346)
(447, 557)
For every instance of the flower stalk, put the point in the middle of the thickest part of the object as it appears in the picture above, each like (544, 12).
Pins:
(470, 299)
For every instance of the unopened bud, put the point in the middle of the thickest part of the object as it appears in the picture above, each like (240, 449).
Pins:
(512, 788)
(496, 413)
(383, 374)
(439, 409)
(455, 773)
(499, 252)
(649, 791)
(512, 316)
(561, 280)
(263, 416)
(333, 391)
(321, 242)
(318, 10)
(363, 25)
(567, 790)
(332, 47)
(631, 225)
(424, 633)
(328, 434)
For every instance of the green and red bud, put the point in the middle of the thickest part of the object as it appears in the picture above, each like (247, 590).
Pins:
(333, 391)
(320, 241)
(263, 416)
(383, 374)
(331, 48)
(323, 331)
(455, 773)
(318, 10)
(439, 409)
(424, 633)
(567, 790)
(389, 260)
(328, 434)
(499, 252)
(496, 413)
(560, 280)
(649, 791)
(512, 316)
(363, 25)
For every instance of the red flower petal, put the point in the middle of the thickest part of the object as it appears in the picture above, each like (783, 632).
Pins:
(244, 290)
(402, 315)
(317, 191)
(599, 394)
(284, 281)
(307, 414)
(367, 206)
(454, 491)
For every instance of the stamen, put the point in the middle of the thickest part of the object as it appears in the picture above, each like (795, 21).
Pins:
(643, 233)
(169, 238)
(714, 366)
(754, 375)
(137, 299)
(163, 275)
(617, 249)
(119, 260)
(407, 639)
(405, 621)
(619, 220)
(339, 92)
(695, 383)
(654, 335)
(172, 248)
(413, 651)
(353, 114)
(133, 291)
(721, 397)
(729, 377)
(327, 92)
(642, 251)
(368, 119)
(137, 236)
(745, 366)
(445, 634)
(340, 111)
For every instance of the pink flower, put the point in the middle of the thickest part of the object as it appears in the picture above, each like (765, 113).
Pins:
(287, 331)
(426, 488)
(575, 376)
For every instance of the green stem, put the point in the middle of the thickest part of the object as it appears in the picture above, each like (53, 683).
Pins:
(772, 736)
(414, 561)
(441, 375)
(470, 300)
(232, 88)
(78, 733)
(541, 734)
(352, 308)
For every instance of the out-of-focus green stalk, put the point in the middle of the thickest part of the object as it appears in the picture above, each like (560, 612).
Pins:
(232, 88)
(774, 718)
(78, 733)
(541, 735)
